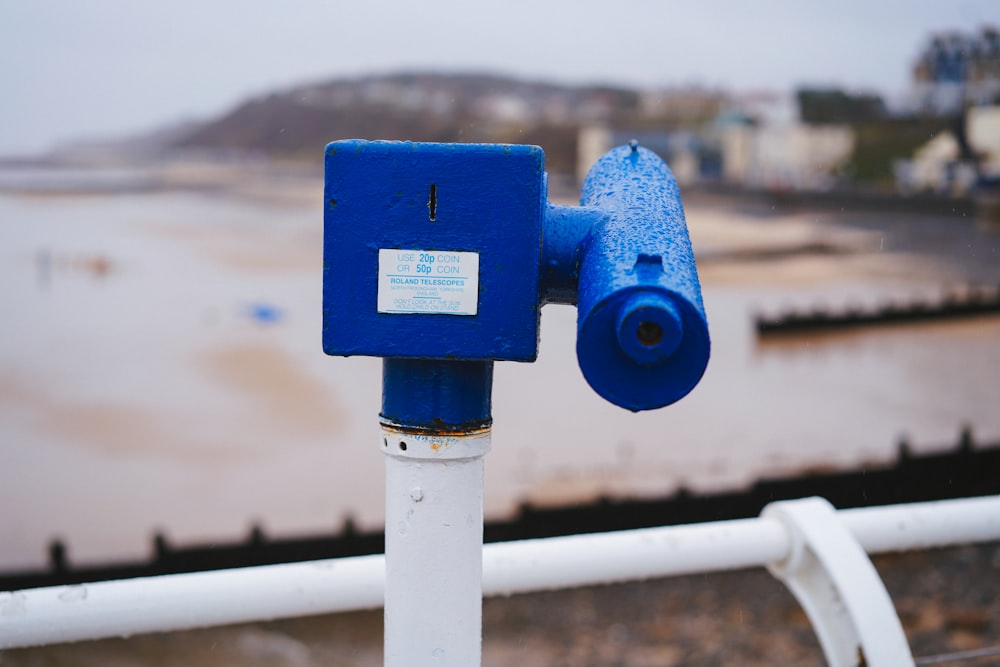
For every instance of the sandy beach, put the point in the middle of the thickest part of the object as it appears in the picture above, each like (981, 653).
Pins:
(181, 388)
(161, 372)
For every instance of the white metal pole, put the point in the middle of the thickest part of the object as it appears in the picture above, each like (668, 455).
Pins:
(582, 560)
(434, 547)
(924, 525)
(182, 601)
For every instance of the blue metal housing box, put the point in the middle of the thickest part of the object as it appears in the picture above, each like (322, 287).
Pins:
(432, 250)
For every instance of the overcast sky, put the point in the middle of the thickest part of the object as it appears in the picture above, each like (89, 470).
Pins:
(96, 68)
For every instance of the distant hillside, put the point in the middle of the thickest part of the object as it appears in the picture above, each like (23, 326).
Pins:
(416, 106)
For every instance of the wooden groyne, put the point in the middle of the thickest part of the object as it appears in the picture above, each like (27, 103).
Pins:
(965, 470)
(976, 302)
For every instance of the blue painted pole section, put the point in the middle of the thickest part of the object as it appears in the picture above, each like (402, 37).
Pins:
(642, 334)
(437, 394)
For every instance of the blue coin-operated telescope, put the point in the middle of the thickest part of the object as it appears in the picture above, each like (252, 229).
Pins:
(438, 258)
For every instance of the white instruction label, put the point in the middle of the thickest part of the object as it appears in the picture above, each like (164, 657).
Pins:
(428, 281)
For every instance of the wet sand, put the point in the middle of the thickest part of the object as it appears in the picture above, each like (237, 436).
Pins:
(149, 397)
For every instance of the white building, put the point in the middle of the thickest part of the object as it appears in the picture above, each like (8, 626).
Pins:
(760, 140)
(938, 165)
(982, 127)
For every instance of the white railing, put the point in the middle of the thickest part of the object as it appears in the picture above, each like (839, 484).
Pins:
(818, 552)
